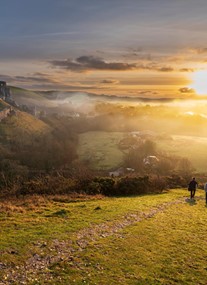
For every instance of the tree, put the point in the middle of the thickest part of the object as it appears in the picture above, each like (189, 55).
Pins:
(185, 168)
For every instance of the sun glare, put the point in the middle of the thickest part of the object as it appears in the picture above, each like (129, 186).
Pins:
(200, 82)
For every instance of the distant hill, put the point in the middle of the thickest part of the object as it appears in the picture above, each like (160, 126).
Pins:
(31, 98)
(63, 102)
(58, 95)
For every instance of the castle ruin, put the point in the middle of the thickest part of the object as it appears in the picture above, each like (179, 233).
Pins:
(4, 91)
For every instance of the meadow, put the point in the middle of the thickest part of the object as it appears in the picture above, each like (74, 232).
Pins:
(149, 239)
(102, 151)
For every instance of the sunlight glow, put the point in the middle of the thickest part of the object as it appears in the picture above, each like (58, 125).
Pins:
(200, 82)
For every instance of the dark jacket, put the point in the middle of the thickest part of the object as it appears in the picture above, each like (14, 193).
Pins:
(192, 185)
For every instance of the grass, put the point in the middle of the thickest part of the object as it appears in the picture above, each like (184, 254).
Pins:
(21, 126)
(29, 97)
(167, 248)
(194, 148)
(101, 149)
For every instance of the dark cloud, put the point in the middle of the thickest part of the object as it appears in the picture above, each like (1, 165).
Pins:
(110, 81)
(186, 69)
(165, 69)
(25, 79)
(147, 92)
(32, 78)
(87, 63)
(186, 90)
(40, 74)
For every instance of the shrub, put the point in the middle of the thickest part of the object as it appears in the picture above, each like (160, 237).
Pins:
(158, 184)
(106, 185)
(132, 186)
(47, 185)
(175, 181)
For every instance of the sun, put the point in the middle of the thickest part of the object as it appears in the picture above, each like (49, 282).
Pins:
(199, 84)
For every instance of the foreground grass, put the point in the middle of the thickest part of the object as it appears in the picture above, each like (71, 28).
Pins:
(168, 248)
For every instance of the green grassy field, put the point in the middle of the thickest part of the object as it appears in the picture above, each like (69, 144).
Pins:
(101, 149)
(194, 148)
(151, 239)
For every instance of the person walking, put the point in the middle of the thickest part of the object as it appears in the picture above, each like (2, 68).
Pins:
(205, 188)
(192, 187)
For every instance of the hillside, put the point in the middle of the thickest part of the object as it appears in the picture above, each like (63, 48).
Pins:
(147, 240)
(3, 105)
(22, 124)
(29, 97)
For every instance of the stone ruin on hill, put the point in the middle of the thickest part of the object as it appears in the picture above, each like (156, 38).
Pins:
(4, 91)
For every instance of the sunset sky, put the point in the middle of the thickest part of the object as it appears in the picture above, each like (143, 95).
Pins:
(145, 48)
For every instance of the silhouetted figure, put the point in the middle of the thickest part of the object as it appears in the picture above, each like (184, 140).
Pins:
(205, 188)
(192, 187)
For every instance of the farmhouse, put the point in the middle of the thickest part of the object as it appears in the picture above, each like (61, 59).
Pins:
(121, 171)
(116, 173)
(150, 160)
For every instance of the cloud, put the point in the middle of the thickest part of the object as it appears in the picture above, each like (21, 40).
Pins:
(39, 78)
(138, 53)
(32, 78)
(186, 90)
(184, 69)
(165, 69)
(87, 63)
(109, 81)
(198, 50)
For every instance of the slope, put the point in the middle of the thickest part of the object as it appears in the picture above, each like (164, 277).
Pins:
(17, 129)
(139, 240)
(29, 98)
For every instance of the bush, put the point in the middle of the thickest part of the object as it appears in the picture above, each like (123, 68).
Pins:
(132, 186)
(47, 185)
(176, 181)
(97, 185)
(106, 185)
(158, 184)
(52, 185)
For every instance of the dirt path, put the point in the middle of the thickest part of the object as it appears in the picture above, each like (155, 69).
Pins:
(59, 251)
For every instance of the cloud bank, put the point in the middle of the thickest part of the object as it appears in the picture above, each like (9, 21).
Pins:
(87, 63)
